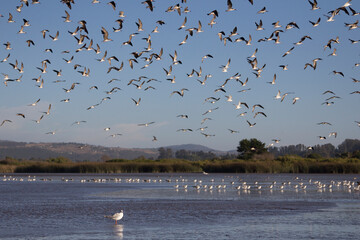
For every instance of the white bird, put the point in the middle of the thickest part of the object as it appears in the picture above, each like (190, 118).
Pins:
(117, 216)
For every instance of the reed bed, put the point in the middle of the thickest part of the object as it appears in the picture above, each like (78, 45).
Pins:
(287, 164)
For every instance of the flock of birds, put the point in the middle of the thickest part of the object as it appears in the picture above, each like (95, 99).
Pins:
(145, 52)
(208, 183)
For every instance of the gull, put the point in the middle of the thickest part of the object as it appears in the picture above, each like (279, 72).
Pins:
(352, 25)
(353, 41)
(238, 106)
(229, 98)
(184, 41)
(333, 134)
(321, 137)
(355, 80)
(210, 110)
(65, 100)
(354, 13)
(21, 30)
(145, 124)
(184, 130)
(333, 53)
(68, 3)
(284, 95)
(347, 4)
(276, 24)
(178, 9)
(18, 8)
(183, 116)
(116, 216)
(226, 67)
(199, 29)
(149, 4)
(256, 105)
(112, 4)
(314, 5)
(263, 10)
(203, 82)
(284, 67)
(324, 123)
(116, 69)
(105, 35)
(38, 121)
(183, 24)
(174, 58)
(4, 121)
(328, 91)
(327, 103)
(250, 124)
(229, 6)
(136, 102)
(181, 92)
(51, 133)
(154, 139)
(291, 25)
(234, 32)
(67, 18)
(7, 45)
(358, 123)
(48, 111)
(114, 135)
(69, 60)
(139, 25)
(331, 17)
(257, 113)
(26, 2)
(5, 59)
(259, 25)
(288, 52)
(56, 37)
(202, 128)
(205, 119)
(92, 106)
(112, 58)
(337, 73)
(208, 135)
(295, 99)
(168, 72)
(34, 104)
(273, 81)
(21, 115)
(78, 122)
(248, 42)
(315, 24)
(58, 72)
(10, 19)
(276, 140)
(233, 131)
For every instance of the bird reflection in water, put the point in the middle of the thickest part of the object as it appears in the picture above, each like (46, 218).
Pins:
(118, 231)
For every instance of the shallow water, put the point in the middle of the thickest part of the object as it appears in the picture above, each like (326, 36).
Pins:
(73, 206)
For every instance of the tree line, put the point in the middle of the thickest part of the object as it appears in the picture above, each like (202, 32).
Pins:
(256, 150)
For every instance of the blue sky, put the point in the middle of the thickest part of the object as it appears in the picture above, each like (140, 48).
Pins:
(291, 123)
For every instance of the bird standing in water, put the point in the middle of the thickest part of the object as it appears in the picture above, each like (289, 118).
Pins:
(116, 216)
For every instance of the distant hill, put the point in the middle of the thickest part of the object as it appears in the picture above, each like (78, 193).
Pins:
(191, 147)
(84, 152)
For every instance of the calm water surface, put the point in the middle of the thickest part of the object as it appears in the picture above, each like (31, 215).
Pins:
(180, 206)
